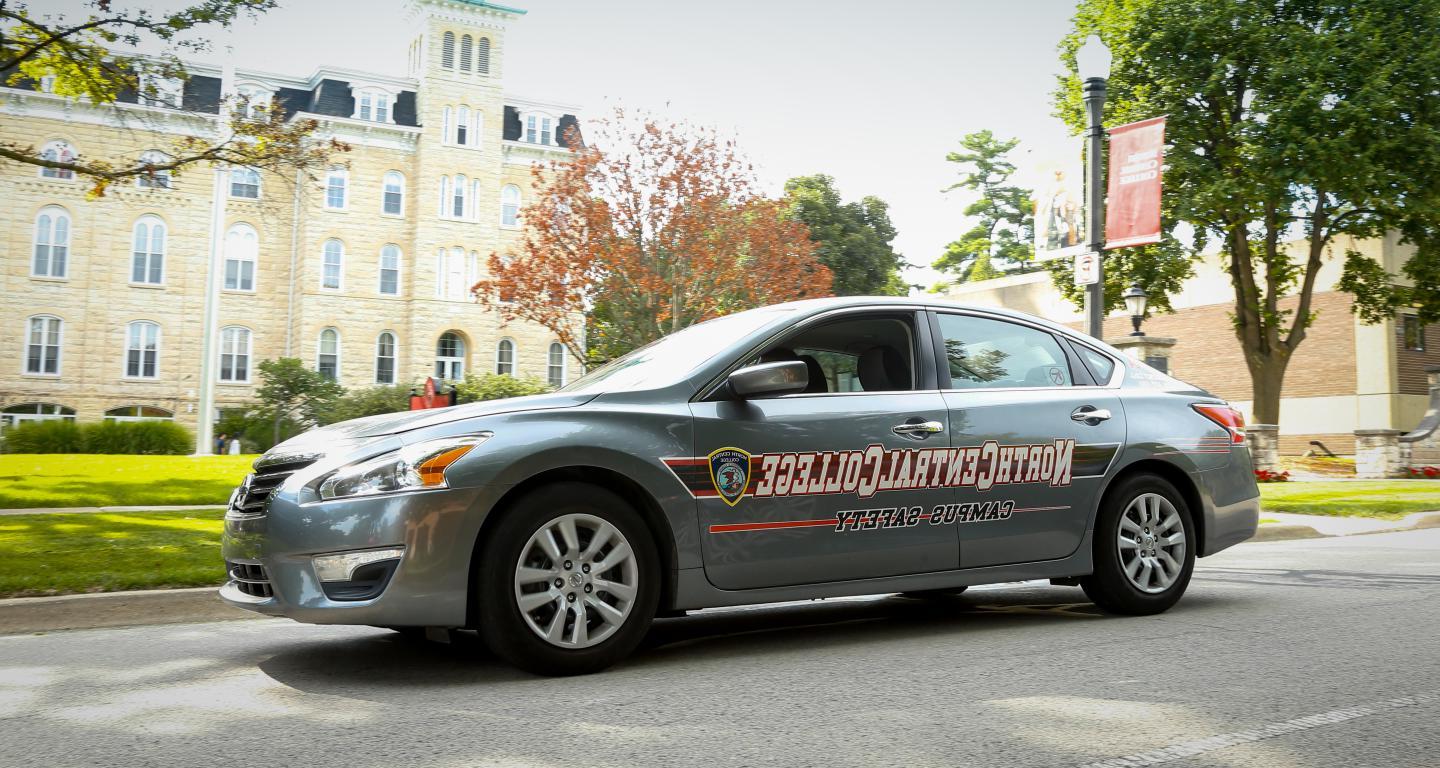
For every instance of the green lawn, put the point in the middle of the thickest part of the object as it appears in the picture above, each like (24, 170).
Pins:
(1385, 499)
(51, 554)
(96, 480)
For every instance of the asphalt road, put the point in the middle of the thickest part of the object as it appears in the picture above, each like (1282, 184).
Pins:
(1305, 653)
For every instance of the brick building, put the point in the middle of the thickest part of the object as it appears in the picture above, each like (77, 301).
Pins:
(362, 272)
(1345, 376)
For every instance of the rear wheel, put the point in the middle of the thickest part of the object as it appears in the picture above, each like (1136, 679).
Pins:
(568, 582)
(1143, 548)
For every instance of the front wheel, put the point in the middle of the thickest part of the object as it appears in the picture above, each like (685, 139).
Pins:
(568, 582)
(1143, 548)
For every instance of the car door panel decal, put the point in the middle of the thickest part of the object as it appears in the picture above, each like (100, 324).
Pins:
(894, 517)
(725, 473)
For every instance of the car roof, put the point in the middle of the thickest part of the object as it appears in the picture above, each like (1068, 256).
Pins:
(814, 306)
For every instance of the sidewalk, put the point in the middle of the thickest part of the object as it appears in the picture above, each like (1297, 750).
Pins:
(1288, 525)
(91, 510)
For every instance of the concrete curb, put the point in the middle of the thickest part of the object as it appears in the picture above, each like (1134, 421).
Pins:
(1281, 532)
(1286, 533)
(29, 615)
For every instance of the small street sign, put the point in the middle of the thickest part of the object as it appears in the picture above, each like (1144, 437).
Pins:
(1087, 268)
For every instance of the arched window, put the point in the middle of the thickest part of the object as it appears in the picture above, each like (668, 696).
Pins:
(242, 247)
(453, 277)
(465, 44)
(510, 206)
(57, 152)
(555, 365)
(450, 357)
(153, 179)
(477, 121)
(447, 50)
(235, 354)
(385, 358)
(42, 345)
(505, 357)
(245, 183)
(458, 207)
(332, 264)
(13, 415)
(482, 56)
(444, 195)
(52, 243)
(139, 413)
(327, 354)
(462, 125)
(445, 125)
(372, 105)
(142, 350)
(393, 199)
(390, 270)
(475, 199)
(147, 251)
(254, 101)
(336, 181)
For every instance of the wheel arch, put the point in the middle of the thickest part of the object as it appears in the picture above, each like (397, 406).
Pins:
(1178, 478)
(615, 482)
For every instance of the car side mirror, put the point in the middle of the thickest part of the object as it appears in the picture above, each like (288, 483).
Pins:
(765, 379)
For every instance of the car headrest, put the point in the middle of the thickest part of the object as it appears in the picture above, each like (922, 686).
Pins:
(779, 355)
(883, 369)
(817, 375)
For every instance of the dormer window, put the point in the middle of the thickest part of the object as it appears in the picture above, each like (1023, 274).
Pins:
(159, 91)
(255, 100)
(539, 129)
(373, 105)
(57, 152)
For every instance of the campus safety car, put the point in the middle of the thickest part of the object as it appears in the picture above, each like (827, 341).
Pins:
(805, 450)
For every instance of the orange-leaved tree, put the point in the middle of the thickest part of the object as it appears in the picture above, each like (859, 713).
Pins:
(652, 227)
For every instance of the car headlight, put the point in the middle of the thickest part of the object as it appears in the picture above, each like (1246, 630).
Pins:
(413, 468)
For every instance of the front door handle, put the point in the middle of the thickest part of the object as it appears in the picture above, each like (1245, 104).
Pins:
(918, 428)
(1092, 416)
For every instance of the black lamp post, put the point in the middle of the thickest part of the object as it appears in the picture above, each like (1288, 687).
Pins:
(1092, 62)
(1135, 299)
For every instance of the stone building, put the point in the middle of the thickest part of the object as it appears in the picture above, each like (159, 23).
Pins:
(1345, 377)
(362, 272)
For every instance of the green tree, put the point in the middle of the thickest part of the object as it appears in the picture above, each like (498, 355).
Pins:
(852, 239)
(1309, 119)
(1002, 238)
(1161, 269)
(86, 59)
(291, 392)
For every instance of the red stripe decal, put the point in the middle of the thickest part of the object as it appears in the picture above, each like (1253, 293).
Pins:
(734, 527)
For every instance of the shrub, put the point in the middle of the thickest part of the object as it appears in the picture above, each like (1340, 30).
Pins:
(136, 437)
(254, 428)
(494, 386)
(1267, 476)
(45, 437)
(1425, 472)
(372, 401)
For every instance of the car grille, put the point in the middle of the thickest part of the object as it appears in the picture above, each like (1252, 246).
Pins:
(250, 578)
(251, 498)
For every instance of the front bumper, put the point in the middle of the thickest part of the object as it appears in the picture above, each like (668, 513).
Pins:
(429, 586)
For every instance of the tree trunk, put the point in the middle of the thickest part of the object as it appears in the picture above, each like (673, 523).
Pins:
(1267, 375)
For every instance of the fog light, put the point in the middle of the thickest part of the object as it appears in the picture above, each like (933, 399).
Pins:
(342, 567)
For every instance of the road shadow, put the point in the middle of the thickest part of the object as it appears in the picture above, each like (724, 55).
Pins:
(1317, 578)
(371, 664)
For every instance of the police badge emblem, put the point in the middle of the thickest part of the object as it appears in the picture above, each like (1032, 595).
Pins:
(730, 471)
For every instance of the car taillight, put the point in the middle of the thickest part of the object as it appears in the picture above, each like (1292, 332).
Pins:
(1225, 416)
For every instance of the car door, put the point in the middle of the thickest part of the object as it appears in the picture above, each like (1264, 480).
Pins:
(834, 483)
(1041, 431)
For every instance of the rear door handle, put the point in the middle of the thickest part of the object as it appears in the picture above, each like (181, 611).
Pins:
(918, 428)
(1092, 416)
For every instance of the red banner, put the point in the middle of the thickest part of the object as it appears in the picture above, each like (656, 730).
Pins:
(1132, 210)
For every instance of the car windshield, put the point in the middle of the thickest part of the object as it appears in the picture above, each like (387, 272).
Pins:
(674, 357)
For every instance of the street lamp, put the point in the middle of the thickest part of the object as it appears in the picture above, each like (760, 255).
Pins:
(1135, 299)
(1092, 62)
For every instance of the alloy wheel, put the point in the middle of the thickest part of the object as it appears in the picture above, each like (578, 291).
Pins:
(576, 581)
(1151, 543)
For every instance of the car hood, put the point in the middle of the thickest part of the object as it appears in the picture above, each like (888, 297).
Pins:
(392, 423)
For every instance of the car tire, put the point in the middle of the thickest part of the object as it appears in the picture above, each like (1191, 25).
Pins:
(934, 594)
(539, 577)
(1140, 567)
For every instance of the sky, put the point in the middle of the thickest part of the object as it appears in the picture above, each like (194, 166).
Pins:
(872, 93)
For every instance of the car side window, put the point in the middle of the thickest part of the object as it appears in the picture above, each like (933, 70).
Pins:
(984, 353)
(869, 353)
(1101, 366)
